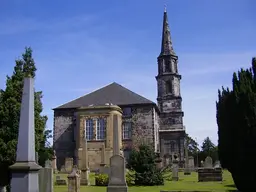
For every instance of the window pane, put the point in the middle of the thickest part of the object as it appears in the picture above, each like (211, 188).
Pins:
(89, 129)
(101, 129)
(127, 111)
(127, 130)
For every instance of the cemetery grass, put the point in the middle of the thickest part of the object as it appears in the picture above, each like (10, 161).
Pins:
(185, 183)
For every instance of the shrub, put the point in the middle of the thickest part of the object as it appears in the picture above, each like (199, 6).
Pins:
(102, 179)
(142, 162)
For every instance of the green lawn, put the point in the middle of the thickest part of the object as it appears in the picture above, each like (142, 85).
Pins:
(185, 183)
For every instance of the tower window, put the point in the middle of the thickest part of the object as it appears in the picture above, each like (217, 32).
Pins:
(167, 66)
(168, 87)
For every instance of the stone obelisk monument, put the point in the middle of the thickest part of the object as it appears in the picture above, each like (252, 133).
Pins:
(25, 170)
(117, 180)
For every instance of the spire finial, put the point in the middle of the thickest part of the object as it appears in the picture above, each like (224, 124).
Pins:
(165, 8)
(166, 47)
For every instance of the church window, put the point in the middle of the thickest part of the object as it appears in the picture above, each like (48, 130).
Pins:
(127, 130)
(127, 111)
(168, 87)
(101, 129)
(89, 129)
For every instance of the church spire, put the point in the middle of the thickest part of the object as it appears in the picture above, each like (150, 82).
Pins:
(166, 47)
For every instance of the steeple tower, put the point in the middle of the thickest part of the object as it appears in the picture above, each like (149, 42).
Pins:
(166, 47)
(169, 99)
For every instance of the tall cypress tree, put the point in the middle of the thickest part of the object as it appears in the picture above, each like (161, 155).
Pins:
(10, 104)
(236, 119)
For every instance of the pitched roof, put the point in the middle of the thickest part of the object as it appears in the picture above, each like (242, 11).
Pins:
(112, 93)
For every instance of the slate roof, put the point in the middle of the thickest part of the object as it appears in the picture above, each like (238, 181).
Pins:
(113, 93)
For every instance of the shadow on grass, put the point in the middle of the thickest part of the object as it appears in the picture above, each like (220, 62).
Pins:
(233, 185)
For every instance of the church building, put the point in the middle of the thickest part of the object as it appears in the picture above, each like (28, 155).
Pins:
(158, 124)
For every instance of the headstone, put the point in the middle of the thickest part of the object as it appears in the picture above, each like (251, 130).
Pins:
(208, 173)
(2, 189)
(217, 164)
(60, 181)
(117, 180)
(36, 157)
(26, 169)
(84, 180)
(46, 178)
(186, 170)
(208, 162)
(48, 164)
(202, 163)
(191, 163)
(74, 181)
(68, 164)
(62, 169)
(175, 170)
(54, 162)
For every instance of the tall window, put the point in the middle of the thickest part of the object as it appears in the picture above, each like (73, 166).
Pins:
(127, 130)
(167, 66)
(101, 129)
(89, 129)
(168, 87)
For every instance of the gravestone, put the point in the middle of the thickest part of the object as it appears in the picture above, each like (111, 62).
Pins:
(187, 171)
(54, 162)
(36, 157)
(208, 162)
(60, 181)
(175, 169)
(217, 164)
(117, 180)
(191, 163)
(62, 169)
(25, 168)
(46, 178)
(68, 165)
(84, 180)
(74, 181)
(208, 173)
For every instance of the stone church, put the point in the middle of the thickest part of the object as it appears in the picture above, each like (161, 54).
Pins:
(160, 125)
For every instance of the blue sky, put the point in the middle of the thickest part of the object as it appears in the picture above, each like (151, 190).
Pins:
(80, 46)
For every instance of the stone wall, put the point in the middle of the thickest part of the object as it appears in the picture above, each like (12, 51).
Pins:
(66, 130)
(63, 135)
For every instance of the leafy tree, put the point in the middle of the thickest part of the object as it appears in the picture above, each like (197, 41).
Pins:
(236, 119)
(192, 146)
(143, 162)
(10, 104)
(208, 148)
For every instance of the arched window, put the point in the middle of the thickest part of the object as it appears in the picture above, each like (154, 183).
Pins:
(167, 66)
(168, 87)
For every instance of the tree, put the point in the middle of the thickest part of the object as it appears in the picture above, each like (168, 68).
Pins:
(10, 104)
(192, 146)
(236, 119)
(143, 162)
(208, 149)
